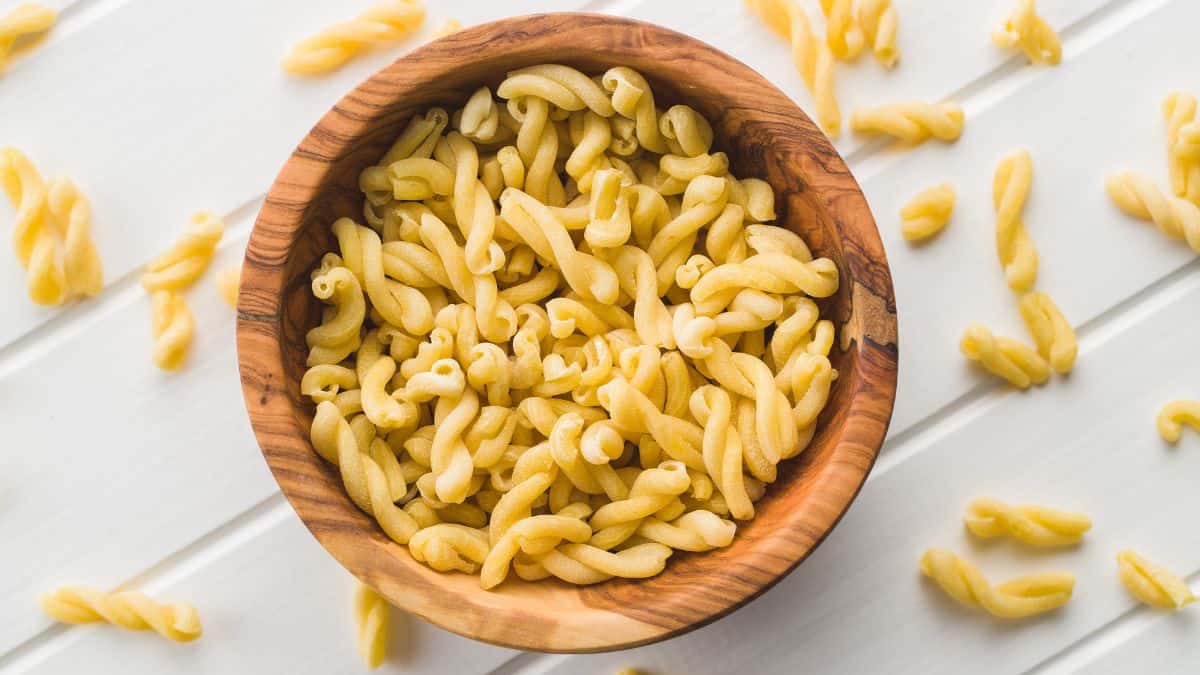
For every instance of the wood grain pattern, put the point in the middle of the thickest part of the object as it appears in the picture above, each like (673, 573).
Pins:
(766, 135)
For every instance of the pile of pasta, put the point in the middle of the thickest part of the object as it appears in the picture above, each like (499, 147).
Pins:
(565, 342)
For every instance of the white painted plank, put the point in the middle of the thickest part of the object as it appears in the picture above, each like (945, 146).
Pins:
(1087, 444)
(271, 601)
(159, 109)
(1156, 642)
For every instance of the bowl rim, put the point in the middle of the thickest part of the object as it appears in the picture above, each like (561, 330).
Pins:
(285, 444)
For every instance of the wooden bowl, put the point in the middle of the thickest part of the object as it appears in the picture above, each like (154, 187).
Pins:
(766, 136)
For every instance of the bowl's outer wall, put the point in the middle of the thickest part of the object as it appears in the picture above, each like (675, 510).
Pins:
(765, 136)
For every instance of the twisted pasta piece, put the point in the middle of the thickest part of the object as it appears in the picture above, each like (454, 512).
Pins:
(1136, 194)
(564, 86)
(698, 530)
(1004, 357)
(1179, 110)
(1174, 415)
(1052, 333)
(633, 412)
(1036, 525)
(610, 224)
(81, 262)
(812, 57)
(650, 316)
(927, 213)
(450, 459)
(686, 131)
(34, 237)
(131, 610)
(474, 209)
(1015, 599)
(1010, 189)
(1025, 30)
(1187, 149)
(449, 546)
(339, 332)
(332, 47)
(525, 534)
(769, 272)
(228, 282)
(843, 35)
(325, 381)
(187, 258)
(172, 325)
(584, 564)
(1153, 584)
(722, 448)
(911, 122)
(880, 24)
(371, 616)
(632, 98)
(21, 23)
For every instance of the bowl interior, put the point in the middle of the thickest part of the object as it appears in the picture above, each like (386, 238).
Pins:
(766, 136)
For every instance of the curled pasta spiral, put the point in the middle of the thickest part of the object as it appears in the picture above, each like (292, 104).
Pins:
(81, 262)
(770, 272)
(880, 24)
(1174, 415)
(1153, 584)
(1052, 333)
(697, 530)
(927, 213)
(1187, 152)
(34, 233)
(337, 44)
(911, 122)
(531, 533)
(1015, 599)
(371, 615)
(24, 21)
(722, 448)
(1183, 147)
(1036, 525)
(584, 564)
(128, 609)
(172, 324)
(1025, 30)
(1010, 189)
(1004, 357)
(842, 33)
(1136, 194)
(812, 57)
(450, 546)
(187, 258)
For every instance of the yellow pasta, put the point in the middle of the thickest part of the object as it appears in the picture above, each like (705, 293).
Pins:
(812, 57)
(1153, 584)
(227, 285)
(1174, 415)
(927, 213)
(1183, 145)
(1136, 194)
(371, 619)
(1028, 32)
(20, 25)
(1036, 525)
(1052, 333)
(447, 27)
(1015, 599)
(188, 257)
(842, 33)
(131, 610)
(332, 47)
(911, 122)
(1010, 189)
(172, 325)
(1004, 357)
(880, 24)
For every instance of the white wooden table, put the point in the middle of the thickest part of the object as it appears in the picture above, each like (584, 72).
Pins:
(113, 473)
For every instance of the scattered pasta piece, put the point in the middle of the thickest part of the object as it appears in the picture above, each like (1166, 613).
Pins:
(128, 609)
(50, 220)
(1183, 145)
(371, 616)
(1030, 33)
(1015, 599)
(188, 257)
(173, 325)
(1153, 584)
(1052, 333)
(448, 26)
(331, 48)
(228, 282)
(1036, 525)
(1004, 357)
(1174, 415)
(1187, 151)
(912, 123)
(880, 24)
(927, 213)
(21, 24)
(1014, 246)
(842, 33)
(811, 56)
(1137, 195)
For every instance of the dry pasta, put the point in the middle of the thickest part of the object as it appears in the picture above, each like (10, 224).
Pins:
(20, 25)
(1036, 525)
(1028, 32)
(172, 324)
(1174, 415)
(527, 364)
(880, 24)
(1183, 145)
(371, 623)
(1136, 194)
(1052, 333)
(1015, 599)
(1010, 189)
(812, 57)
(927, 213)
(167, 276)
(842, 33)
(331, 48)
(227, 285)
(1004, 357)
(911, 122)
(128, 609)
(1153, 584)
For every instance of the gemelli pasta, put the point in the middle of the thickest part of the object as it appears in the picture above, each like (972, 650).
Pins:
(565, 343)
